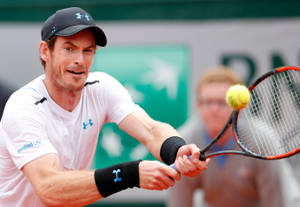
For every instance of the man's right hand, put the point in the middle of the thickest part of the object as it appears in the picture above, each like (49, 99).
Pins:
(157, 176)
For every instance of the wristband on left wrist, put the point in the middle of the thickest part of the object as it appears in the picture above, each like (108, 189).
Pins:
(169, 149)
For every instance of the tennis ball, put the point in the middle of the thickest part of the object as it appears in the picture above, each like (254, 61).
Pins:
(237, 96)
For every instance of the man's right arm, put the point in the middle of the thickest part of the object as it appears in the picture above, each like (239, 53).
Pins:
(56, 187)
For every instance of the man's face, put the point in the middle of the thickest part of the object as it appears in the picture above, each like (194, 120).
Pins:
(212, 106)
(70, 60)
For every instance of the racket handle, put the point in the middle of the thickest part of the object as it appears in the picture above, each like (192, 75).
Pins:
(202, 158)
(173, 165)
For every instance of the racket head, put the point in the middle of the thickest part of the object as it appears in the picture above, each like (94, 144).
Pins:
(269, 126)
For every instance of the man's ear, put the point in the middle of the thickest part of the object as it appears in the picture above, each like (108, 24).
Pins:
(44, 51)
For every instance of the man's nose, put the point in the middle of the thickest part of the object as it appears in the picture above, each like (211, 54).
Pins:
(79, 59)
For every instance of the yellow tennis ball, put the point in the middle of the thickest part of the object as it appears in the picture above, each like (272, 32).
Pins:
(237, 96)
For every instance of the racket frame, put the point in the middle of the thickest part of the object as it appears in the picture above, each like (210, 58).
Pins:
(232, 121)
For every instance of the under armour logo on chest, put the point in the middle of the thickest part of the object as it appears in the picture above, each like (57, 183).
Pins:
(117, 179)
(85, 125)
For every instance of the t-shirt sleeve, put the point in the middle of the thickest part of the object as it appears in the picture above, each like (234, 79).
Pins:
(118, 101)
(22, 128)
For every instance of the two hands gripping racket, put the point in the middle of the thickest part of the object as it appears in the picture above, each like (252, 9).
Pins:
(268, 127)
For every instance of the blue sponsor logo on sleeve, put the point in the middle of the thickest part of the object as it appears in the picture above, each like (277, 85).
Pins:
(30, 145)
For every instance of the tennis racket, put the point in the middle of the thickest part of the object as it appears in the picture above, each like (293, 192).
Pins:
(269, 126)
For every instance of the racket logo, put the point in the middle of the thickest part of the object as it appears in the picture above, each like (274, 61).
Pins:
(85, 125)
(117, 179)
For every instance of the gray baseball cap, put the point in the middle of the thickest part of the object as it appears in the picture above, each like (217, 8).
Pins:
(69, 21)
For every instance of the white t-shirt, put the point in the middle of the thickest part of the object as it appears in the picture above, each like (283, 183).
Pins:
(34, 125)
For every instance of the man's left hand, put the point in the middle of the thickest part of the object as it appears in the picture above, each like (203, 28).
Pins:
(192, 166)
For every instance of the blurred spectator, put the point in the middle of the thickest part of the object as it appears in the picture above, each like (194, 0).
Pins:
(233, 180)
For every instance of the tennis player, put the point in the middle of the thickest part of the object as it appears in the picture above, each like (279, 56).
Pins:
(50, 127)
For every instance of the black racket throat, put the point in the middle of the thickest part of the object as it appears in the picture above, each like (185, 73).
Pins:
(231, 121)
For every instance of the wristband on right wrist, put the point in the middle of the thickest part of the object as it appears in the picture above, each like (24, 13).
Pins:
(119, 177)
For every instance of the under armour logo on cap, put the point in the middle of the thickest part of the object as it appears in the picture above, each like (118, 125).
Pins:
(79, 16)
(53, 29)
(69, 21)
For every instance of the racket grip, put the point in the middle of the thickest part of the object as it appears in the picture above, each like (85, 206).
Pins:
(173, 165)
(202, 158)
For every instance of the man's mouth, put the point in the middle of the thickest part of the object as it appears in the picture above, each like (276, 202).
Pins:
(75, 72)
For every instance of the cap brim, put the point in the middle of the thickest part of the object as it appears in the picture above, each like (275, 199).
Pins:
(100, 37)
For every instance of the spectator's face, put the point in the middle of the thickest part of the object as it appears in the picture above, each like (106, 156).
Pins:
(212, 106)
(69, 63)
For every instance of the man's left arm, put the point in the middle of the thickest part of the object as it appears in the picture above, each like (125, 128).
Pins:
(164, 142)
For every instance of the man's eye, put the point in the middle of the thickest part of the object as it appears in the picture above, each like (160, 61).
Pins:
(68, 49)
(88, 50)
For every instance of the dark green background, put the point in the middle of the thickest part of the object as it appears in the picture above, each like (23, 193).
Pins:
(38, 10)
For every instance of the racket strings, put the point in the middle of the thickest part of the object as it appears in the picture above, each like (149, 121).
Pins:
(291, 129)
(270, 124)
